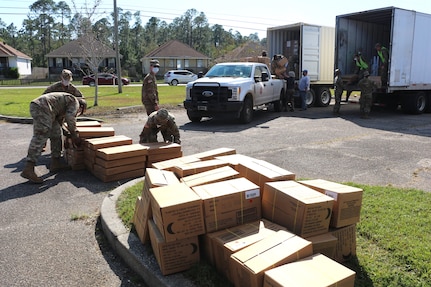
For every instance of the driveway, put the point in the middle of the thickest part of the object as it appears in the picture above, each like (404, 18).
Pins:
(49, 232)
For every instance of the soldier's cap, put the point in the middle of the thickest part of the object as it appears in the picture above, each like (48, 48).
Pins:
(366, 74)
(155, 63)
(305, 71)
(378, 45)
(66, 74)
(291, 74)
(161, 116)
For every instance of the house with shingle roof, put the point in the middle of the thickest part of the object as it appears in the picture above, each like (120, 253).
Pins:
(73, 56)
(12, 58)
(175, 55)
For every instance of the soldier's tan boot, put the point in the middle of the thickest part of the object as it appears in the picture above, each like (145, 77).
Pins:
(57, 165)
(29, 173)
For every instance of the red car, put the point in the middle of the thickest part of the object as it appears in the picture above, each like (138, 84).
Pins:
(103, 79)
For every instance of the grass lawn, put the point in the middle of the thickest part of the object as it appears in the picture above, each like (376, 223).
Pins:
(393, 238)
(15, 101)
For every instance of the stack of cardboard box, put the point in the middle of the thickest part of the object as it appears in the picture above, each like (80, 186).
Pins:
(246, 217)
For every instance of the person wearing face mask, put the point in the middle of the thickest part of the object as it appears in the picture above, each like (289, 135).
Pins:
(149, 93)
(64, 85)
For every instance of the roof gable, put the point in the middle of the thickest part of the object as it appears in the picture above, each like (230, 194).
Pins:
(8, 51)
(76, 48)
(175, 49)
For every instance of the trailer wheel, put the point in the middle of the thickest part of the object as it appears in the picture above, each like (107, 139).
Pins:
(246, 114)
(323, 98)
(310, 98)
(414, 103)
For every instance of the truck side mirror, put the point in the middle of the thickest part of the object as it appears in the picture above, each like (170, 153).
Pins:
(264, 76)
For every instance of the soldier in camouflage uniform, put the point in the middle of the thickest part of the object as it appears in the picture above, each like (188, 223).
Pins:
(367, 87)
(149, 93)
(160, 121)
(338, 87)
(48, 112)
(64, 85)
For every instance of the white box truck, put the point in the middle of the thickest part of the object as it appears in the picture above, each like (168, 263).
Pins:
(406, 34)
(308, 47)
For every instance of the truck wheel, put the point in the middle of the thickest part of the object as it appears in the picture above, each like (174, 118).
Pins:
(310, 98)
(246, 114)
(193, 118)
(323, 98)
(414, 103)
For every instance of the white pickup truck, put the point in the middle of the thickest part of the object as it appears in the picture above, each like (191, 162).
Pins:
(234, 89)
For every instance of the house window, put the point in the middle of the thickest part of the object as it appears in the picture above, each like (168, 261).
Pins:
(186, 63)
(200, 63)
(58, 62)
(171, 63)
(179, 63)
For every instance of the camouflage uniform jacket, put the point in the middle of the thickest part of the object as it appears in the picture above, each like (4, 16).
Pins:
(149, 93)
(169, 130)
(58, 87)
(367, 86)
(60, 106)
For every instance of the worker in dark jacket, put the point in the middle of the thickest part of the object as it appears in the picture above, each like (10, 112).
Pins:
(339, 88)
(48, 112)
(160, 121)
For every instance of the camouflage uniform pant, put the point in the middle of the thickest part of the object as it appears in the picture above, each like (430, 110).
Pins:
(149, 135)
(45, 126)
(338, 95)
(365, 101)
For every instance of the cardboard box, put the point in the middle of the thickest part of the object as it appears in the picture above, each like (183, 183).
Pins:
(175, 256)
(210, 176)
(304, 211)
(153, 178)
(120, 162)
(182, 170)
(87, 124)
(119, 176)
(260, 172)
(212, 154)
(324, 244)
(98, 143)
(229, 203)
(235, 159)
(347, 204)
(124, 151)
(177, 211)
(95, 132)
(249, 264)
(226, 242)
(346, 243)
(170, 163)
(139, 221)
(316, 270)
(119, 169)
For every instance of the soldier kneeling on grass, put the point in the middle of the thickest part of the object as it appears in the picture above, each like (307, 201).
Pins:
(160, 121)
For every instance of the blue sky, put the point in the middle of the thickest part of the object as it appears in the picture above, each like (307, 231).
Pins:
(243, 16)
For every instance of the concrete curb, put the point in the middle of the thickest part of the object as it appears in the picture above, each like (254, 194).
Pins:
(138, 257)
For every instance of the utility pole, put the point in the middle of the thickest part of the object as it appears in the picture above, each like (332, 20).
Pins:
(117, 51)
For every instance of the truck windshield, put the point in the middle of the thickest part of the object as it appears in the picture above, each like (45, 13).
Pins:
(241, 71)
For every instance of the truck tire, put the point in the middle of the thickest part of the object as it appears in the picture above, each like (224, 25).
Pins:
(193, 118)
(246, 114)
(310, 98)
(323, 98)
(414, 103)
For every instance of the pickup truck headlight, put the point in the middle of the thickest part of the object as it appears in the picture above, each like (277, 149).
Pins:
(236, 91)
(188, 96)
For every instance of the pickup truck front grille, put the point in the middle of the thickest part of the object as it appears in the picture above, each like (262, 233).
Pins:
(210, 92)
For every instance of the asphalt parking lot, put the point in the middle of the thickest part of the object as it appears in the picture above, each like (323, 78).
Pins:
(42, 244)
